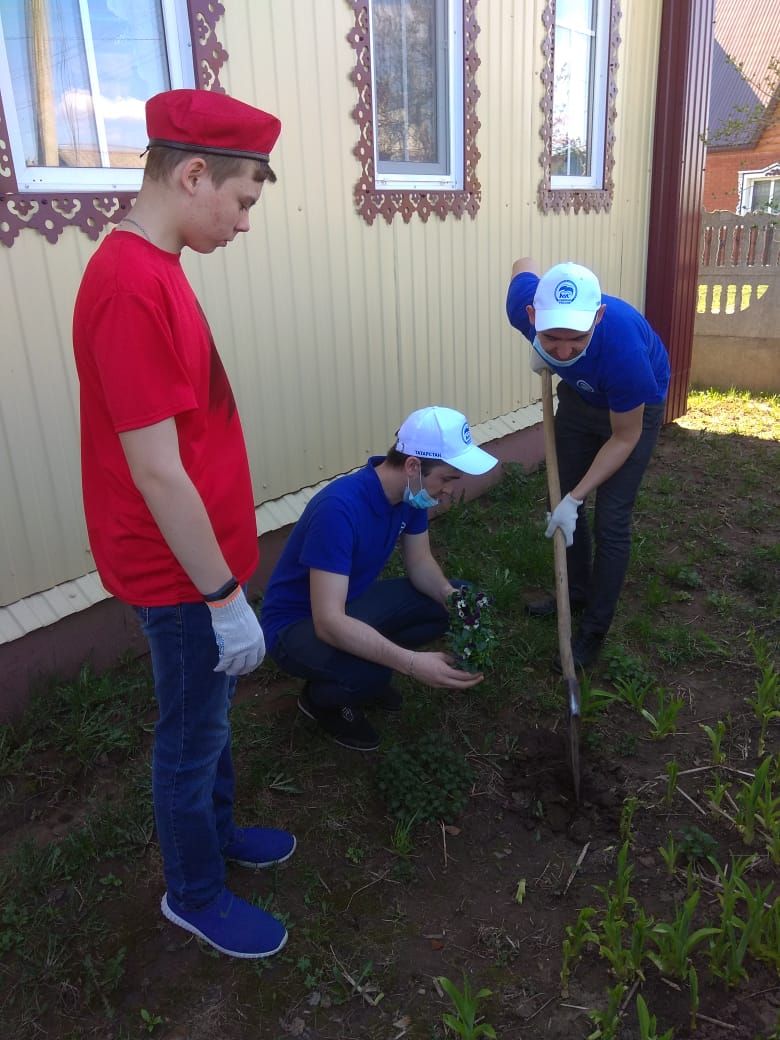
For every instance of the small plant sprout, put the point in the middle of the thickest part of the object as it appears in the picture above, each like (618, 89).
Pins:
(715, 793)
(693, 986)
(150, 1020)
(664, 722)
(737, 934)
(401, 841)
(471, 636)
(753, 797)
(647, 1022)
(696, 844)
(607, 1022)
(670, 854)
(715, 736)
(464, 1022)
(626, 818)
(766, 702)
(672, 773)
(633, 690)
(676, 940)
(578, 936)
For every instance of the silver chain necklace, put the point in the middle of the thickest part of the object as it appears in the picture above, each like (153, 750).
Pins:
(144, 232)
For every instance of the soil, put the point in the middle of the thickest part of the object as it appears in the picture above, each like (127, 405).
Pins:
(491, 894)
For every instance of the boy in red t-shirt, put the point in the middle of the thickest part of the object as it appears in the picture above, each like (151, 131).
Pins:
(168, 495)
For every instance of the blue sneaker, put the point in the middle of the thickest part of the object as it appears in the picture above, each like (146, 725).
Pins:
(259, 847)
(230, 925)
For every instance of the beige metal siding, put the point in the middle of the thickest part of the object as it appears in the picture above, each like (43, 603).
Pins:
(331, 330)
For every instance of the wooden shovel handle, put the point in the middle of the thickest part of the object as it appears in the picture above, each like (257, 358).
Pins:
(559, 540)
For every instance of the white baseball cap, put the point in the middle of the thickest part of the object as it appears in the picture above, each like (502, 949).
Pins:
(567, 297)
(442, 433)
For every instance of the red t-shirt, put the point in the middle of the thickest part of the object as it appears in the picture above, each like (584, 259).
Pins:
(144, 353)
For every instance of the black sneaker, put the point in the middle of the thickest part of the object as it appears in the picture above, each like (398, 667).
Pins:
(585, 649)
(347, 726)
(388, 699)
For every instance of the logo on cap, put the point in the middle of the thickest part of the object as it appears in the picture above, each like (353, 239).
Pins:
(466, 433)
(565, 291)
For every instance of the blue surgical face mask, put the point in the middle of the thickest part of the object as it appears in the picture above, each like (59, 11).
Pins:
(554, 361)
(419, 499)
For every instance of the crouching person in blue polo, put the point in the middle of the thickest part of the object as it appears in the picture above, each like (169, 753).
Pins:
(326, 616)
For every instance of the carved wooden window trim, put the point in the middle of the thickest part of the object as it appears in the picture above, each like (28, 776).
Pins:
(371, 202)
(90, 211)
(590, 200)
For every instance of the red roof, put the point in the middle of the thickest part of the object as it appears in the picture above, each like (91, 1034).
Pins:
(747, 39)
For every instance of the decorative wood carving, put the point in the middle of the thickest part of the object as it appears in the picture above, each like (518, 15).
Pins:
(372, 202)
(590, 200)
(48, 212)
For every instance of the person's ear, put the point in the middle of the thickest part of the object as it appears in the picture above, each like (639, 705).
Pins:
(412, 466)
(531, 312)
(192, 172)
(600, 314)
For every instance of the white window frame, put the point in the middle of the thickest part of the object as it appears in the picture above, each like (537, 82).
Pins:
(34, 179)
(747, 180)
(598, 107)
(450, 48)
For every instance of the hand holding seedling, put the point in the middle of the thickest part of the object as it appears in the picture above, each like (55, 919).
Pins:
(437, 669)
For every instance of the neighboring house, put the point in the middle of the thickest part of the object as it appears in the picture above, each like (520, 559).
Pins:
(426, 144)
(743, 133)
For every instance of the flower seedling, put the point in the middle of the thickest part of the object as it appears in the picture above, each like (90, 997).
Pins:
(664, 721)
(766, 703)
(670, 853)
(675, 941)
(464, 1022)
(647, 1023)
(607, 1022)
(672, 773)
(752, 798)
(471, 637)
(716, 738)
(737, 934)
(578, 936)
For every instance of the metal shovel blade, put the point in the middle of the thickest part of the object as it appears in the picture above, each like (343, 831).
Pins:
(574, 734)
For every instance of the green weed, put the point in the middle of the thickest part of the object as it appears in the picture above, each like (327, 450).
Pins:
(426, 779)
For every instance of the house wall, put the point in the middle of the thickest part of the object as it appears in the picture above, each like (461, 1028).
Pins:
(331, 330)
(721, 178)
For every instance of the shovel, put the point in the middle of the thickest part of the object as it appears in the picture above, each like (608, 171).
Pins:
(562, 585)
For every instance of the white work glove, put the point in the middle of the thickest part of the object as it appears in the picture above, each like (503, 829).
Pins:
(538, 364)
(239, 637)
(564, 516)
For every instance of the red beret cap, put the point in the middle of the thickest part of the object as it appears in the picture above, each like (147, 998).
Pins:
(206, 121)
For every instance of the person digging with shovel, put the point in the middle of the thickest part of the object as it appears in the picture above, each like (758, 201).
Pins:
(614, 376)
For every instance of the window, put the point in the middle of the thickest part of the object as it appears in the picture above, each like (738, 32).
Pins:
(579, 104)
(417, 89)
(74, 79)
(759, 190)
(416, 63)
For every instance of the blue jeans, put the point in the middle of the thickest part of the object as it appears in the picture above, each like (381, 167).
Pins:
(597, 578)
(393, 607)
(192, 768)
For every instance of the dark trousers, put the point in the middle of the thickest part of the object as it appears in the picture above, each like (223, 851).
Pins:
(393, 607)
(597, 577)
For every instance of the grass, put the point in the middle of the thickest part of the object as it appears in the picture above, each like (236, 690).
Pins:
(84, 954)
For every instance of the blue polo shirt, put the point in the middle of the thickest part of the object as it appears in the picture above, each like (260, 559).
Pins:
(626, 363)
(349, 527)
